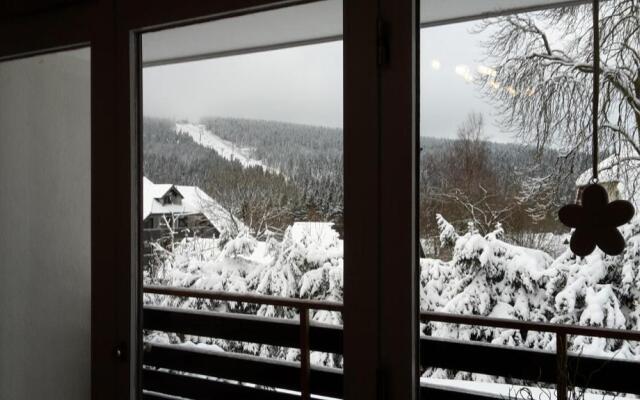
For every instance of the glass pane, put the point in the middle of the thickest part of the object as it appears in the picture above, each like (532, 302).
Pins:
(243, 183)
(505, 137)
(45, 267)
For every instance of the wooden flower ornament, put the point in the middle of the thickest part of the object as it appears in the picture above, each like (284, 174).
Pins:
(596, 221)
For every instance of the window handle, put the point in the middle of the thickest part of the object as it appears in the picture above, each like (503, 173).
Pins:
(119, 351)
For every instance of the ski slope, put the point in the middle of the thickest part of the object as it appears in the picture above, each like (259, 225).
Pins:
(224, 148)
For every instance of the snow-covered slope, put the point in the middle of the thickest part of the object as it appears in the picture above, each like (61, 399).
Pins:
(225, 148)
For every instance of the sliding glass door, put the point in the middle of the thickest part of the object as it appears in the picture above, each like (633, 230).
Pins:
(242, 215)
(505, 141)
(243, 199)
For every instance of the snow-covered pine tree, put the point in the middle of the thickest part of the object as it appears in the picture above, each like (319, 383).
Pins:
(602, 291)
(308, 265)
(489, 277)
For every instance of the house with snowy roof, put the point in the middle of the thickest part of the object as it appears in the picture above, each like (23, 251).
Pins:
(619, 174)
(181, 210)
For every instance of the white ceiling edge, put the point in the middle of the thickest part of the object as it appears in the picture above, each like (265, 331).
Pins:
(298, 25)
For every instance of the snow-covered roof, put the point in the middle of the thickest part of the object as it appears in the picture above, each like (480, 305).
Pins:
(622, 169)
(607, 172)
(194, 201)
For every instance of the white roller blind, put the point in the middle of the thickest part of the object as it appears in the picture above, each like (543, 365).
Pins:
(307, 23)
(313, 22)
(435, 11)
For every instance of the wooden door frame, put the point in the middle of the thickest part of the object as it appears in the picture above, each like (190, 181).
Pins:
(380, 103)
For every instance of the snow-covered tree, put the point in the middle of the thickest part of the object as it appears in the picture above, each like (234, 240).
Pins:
(539, 75)
(490, 277)
(487, 277)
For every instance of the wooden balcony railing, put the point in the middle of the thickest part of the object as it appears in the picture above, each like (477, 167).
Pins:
(190, 372)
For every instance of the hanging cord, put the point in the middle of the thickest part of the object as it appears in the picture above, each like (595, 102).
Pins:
(596, 85)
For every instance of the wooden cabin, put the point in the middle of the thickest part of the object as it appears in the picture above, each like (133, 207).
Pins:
(171, 211)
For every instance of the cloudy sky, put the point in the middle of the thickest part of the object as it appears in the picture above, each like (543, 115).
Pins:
(304, 85)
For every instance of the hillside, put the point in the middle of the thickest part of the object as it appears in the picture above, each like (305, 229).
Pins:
(310, 188)
(299, 151)
(273, 173)
(225, 148)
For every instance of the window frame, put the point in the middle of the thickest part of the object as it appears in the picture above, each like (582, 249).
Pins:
(380, 332)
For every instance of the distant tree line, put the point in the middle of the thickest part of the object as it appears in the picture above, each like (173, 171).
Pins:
(467, 179)
(309, 188)
(472, 180)
(310, 157)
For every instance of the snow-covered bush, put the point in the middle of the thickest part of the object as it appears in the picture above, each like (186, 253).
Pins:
(325, 283)
(486, 275)
(489, 277)
(306, 248)
(307, 263)
(243, 245)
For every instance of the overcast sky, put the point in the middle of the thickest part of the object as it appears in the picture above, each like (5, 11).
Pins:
(304, 85)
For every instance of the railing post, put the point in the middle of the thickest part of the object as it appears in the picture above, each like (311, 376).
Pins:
(305, 356)
(562, 366)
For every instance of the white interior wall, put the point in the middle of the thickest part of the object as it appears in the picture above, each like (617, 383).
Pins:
(45, 217)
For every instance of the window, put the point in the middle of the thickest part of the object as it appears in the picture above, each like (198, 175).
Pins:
(505, 142)
(116, 29)
(250, 133)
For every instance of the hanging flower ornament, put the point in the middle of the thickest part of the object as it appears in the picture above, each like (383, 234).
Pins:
(596, 220)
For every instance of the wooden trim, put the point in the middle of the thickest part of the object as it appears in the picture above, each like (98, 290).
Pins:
(246, 298)
(204, 389)
(245, 368)
(26, 8)
(244, 328)
(601, 373)
(566, 329)
(442, 392)
(104, 316)
(56, 30)
(361, 201)
(398, 187)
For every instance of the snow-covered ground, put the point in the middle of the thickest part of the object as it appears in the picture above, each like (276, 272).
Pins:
(508, 391)
(224, 148)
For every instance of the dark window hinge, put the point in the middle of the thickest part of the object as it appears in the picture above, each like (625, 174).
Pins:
(383, 42)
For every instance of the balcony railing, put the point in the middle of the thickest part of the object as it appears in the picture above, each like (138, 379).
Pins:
(190, 372)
